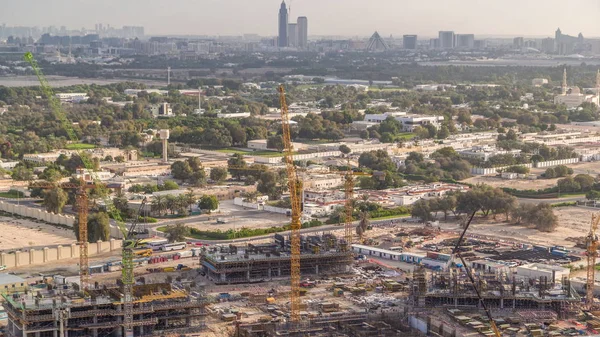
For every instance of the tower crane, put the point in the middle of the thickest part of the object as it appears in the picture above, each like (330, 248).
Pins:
(295, 187)
(592, 253)
(82, 214)
(128, 244)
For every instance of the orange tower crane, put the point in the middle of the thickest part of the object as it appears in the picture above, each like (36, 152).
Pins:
(592, 253)
(295, 188)
(82, 215)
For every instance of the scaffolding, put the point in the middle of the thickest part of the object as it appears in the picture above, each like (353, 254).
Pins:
(258, 263)
(103, 314)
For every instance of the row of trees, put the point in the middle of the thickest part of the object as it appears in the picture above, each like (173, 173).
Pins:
(487, 200)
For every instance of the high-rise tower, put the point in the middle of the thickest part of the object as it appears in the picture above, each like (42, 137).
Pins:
(598, 83)
(564, 82)
(302, 32)
(283, 26)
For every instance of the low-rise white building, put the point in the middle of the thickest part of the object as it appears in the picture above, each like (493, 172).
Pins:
(538, 82)
(73, 97)
(537, 270)
(161, 110)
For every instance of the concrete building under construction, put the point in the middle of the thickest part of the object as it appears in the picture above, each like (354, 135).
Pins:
(255, 263)
(498, 290)
(158, 310)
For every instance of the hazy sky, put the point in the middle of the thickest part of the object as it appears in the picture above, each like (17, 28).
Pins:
(326, 17)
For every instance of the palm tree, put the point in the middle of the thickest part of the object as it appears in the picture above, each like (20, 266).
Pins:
(363, 225)
(170, 203)
(158, 204)
(190, 199)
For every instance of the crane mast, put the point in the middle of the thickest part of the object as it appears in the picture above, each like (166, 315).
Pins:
(128, 244)
(592, 254)
(295, 188)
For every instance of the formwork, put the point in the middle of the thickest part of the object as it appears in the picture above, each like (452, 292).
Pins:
(256, 263)
(157, 310)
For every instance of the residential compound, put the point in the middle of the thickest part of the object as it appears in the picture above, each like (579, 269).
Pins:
(409, 121)
(100, 153)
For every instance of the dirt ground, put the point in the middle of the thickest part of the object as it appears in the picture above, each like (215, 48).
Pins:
(522, 184)
(20, 233)
(592, 168)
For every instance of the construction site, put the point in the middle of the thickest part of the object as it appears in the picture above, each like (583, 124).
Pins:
(157, 310)
(499, 291)
(320, 255)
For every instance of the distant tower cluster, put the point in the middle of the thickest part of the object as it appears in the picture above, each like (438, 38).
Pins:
(292, 34)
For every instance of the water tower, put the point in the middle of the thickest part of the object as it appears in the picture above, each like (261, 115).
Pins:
(164, 136)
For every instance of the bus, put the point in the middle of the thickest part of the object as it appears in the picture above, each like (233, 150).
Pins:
(143, 252)
(154, 244)
(173, 246)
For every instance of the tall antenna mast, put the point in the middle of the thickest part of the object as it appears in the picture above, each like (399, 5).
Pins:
(168, 75)
(564, 82)
(199, 100)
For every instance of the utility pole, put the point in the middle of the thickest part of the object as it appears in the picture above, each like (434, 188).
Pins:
(168, 75)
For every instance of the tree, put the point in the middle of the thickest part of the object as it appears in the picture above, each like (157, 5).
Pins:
(51, 174)
(169, 185)
(21, 172)
(592, 195)
(218, 174)
(268, 184)
(276, 142)
(421, 209)
(376, 160)
(55, 199)
(585, 181)
(208, 203)
(122, 205)
(568, 184)
(181, 170)
(236, 165)
(177, 233)
(98, 227)
(345, 149)
(550, 173)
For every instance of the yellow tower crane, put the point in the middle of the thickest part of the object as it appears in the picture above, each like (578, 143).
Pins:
(592, 253)
(129, 243)
(295, 188)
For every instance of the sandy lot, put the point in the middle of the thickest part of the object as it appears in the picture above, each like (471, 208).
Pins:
(19, 233)
(521, 184)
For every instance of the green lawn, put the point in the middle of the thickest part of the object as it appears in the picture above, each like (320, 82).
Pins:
(393, 217)
(11, 195)
(80, 146)
(406, 136)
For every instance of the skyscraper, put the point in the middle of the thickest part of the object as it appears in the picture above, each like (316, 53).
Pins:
(409, 41)
(464, 41)
(283, 26)
(446, 39)
(292, 35)
(302, 32)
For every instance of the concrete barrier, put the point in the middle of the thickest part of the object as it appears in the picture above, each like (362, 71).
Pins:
(56, 253)
(36, 213)
(551, 163)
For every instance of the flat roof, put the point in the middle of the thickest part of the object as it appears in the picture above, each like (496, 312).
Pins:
(9, 279)
(379, 250)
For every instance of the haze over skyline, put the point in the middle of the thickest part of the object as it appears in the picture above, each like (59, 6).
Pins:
(326, 17)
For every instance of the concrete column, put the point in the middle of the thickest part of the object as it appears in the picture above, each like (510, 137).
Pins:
(269, 271)
(32, 256)
(2, 259)
(501, 303)
(456, 302)
(223, 277)
(59, 252)
(73, 250)
(278, 271)
(37, 334)
(45, 254)
(112, 244)
(514, 303)
(317, 269)
(248, 275)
